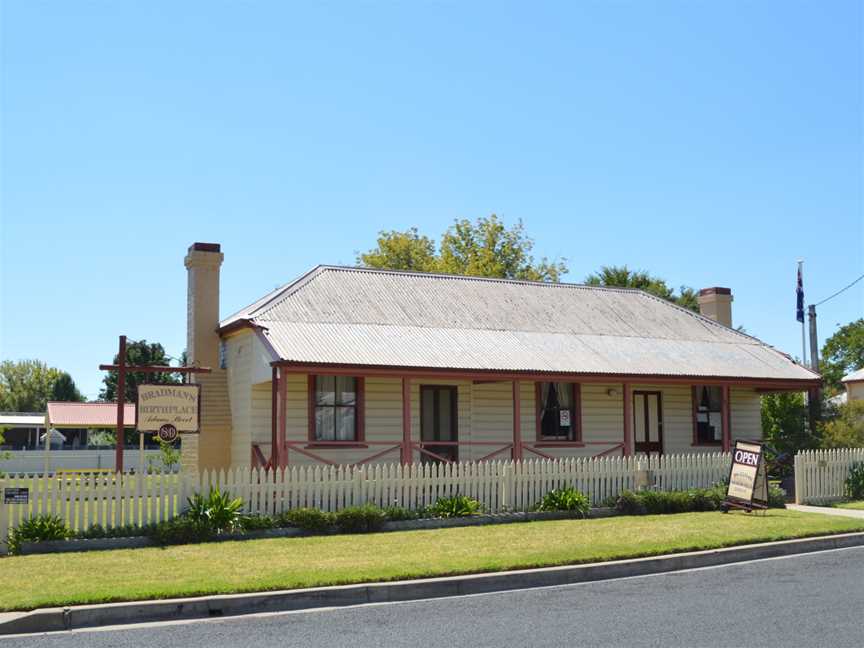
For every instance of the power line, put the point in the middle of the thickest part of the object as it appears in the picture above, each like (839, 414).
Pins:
(840, 291)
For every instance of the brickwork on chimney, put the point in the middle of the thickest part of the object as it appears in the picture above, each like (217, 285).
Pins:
(716, 303)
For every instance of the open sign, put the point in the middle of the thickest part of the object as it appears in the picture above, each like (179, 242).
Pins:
(747, 458)
(748, 482)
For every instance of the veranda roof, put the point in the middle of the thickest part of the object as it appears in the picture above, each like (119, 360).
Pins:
(22, 419)
(355, 316)
(855, 376)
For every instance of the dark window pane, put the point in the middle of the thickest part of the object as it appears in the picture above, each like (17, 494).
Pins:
(709, 414)
(346, 390)
(325, 429)
(325, 390)
(556, 411)
(564, 390)
(427, 410)
(345, 424)
(445, 422)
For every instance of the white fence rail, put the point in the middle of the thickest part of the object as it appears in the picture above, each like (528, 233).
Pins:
(111, 501)
(820, 475)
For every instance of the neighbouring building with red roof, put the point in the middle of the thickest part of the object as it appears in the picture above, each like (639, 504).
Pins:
(351, 365)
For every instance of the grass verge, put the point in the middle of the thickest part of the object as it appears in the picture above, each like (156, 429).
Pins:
(858, 506)
(28, 582)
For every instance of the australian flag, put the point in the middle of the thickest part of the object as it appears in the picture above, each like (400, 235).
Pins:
(799, 309)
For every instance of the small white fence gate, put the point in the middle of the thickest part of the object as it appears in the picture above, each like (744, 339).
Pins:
(820, 475)
(129, 499)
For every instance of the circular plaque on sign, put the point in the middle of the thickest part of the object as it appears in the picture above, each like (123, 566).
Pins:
(168, 433)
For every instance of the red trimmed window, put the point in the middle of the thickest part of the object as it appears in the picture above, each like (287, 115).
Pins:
(336, 408)
(559, 411)
(707, 415)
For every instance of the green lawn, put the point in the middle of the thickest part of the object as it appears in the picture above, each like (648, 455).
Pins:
(28, 582)
(859, 505)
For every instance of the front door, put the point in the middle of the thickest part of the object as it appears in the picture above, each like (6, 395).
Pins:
(648, 422)
(438, 422)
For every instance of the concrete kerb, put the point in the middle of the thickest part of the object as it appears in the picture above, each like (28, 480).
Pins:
(83, 616)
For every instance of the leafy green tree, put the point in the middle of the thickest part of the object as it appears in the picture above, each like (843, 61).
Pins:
(484, 248)
(487, 248)
(624, 277)
(138, 353)
(846, 429)
(784, 427)
(842, 354)
(27, 385)
(64, 389)
(408, 250)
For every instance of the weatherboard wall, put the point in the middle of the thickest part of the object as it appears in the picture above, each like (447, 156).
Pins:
(485, 416)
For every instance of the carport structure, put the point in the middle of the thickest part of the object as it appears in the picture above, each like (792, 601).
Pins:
(62, 415)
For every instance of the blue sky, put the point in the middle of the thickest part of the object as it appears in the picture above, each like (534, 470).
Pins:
(709, 143)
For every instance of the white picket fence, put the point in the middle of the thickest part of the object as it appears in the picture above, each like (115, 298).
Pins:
(820, 475)
(111, 501)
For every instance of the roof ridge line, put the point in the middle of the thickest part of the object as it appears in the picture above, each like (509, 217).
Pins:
(443, 275)
(756, 342)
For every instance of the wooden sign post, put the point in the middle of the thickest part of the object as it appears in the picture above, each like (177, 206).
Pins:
(121, 370)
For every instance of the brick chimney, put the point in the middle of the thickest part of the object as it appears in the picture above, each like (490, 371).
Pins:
(716, 304)
(202, 304)
(210, 448)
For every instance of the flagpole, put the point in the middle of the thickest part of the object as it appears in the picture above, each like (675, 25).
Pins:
(803, 334)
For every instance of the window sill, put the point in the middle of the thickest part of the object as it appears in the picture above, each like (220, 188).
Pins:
(558, 444)
(345, 444)
(713, 444)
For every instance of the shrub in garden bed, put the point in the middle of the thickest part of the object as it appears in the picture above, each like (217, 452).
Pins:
(651, 502)
(309, 519)
(565, 499)
(257, 523)
(855, 482)
(41, 528)
(181, 530)
(217, 510)
(359, 519)
(400, 513)
(455, 506)
(97, 531)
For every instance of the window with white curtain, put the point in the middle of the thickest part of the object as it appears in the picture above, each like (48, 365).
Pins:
(335, 408)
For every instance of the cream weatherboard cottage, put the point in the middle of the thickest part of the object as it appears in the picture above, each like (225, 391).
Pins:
(353, 365)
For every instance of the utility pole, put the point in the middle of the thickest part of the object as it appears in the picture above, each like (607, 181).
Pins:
(815, 397)
(814, 340)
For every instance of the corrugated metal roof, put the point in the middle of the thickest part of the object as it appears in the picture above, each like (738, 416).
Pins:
(22, 419)
(373, 317)
(83, 415)
(855, 376)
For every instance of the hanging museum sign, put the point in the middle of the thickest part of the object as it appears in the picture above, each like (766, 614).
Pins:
(748, 478)
(177, 406)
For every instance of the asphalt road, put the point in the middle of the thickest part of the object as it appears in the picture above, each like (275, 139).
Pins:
(810, 600)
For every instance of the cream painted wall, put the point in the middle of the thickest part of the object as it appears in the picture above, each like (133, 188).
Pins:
(239, 371)
(745, 414)
(855, 390)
